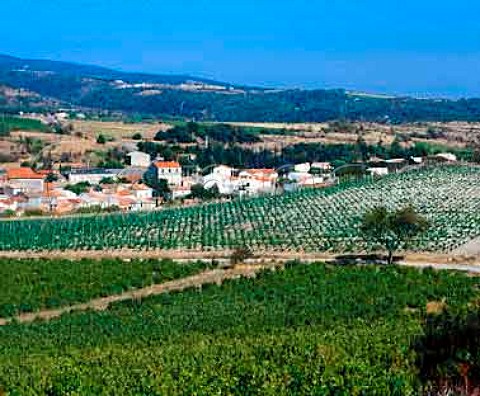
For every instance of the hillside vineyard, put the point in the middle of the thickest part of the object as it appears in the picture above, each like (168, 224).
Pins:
(310, 220)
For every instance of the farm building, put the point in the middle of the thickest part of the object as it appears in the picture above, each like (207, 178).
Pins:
(137, 158)
(168, 170)
(378, 171)
(258, 181)
(24, 180)
(91, 175)
(321, 167)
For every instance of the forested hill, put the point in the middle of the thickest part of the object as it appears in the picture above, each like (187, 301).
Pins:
(174, 96)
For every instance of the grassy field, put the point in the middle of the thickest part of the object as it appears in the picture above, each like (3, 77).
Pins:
(308, 329)
(9, 124)
(118, 130)
(31, 285)
(319, 220)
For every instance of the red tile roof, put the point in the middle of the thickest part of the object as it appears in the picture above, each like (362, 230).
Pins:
(23, 173)
(267, 171)
(166, 164)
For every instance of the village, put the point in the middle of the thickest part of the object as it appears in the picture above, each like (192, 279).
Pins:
(147, 184)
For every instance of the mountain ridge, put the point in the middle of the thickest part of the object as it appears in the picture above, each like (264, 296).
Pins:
(187, 97)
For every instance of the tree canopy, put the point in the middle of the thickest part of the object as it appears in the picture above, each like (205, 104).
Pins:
(392, 230)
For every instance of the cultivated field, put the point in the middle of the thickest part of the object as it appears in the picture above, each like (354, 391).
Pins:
(32, 285)
(321, 220)
(307, 329)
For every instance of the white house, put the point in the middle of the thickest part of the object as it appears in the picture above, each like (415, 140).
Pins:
(223, 178)
(305, 167)
(91, 175)
(142, 191)
(321, 167)
(223, 171)
(168, 170)
(298, 180)
(24, 180)
(378, 171)
(448, 157)
(258, 181)
(137, 158)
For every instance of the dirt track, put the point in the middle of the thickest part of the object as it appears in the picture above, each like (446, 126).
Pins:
(266, 260)
(224, 255)
(99, 304)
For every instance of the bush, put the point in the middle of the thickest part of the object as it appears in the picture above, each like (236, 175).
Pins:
(101, 139)
(33, 212)
(240, 254)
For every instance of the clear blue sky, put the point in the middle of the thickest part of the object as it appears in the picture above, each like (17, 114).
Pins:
(423, 47)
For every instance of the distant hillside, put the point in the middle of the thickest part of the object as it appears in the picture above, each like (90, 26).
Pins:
(177, 96)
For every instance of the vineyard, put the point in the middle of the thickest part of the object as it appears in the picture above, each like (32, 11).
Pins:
(31, 285)
(310, 220)
(307, 329)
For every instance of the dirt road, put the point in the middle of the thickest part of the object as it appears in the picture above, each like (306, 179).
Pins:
(99, 304)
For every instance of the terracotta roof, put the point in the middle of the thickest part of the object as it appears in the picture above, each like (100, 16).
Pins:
(166, 164)
(140, 187)
(23, 173)
(47, 172)
(261, 170)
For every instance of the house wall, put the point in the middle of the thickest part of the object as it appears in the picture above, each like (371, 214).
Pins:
(92, 178)
(28, 185)
(172, 175)
(139, 159)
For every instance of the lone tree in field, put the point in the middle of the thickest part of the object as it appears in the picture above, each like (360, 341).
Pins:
(392, 230)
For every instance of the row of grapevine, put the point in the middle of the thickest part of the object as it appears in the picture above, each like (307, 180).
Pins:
(309, 220)
(309, 329)
(31, 285)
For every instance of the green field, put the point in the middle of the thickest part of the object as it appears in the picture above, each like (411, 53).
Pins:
(306, 330)
(310, 220)
(9, 124)
(31, 285)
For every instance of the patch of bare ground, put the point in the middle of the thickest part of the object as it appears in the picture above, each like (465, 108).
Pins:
(470, 248)
(435, 307)
(455, 134)
(118, 129)
(267, 255)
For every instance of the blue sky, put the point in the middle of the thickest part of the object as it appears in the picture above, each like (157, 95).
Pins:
(422, 47)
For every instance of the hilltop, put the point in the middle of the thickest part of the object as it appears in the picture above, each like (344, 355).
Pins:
(99, 89)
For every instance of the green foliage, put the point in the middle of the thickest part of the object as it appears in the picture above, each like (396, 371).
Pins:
(309, 329)
(33, 212)
(107, 180)
(51, 177)
(449, 351)
(315, 220)
(160, 186)
(91, 87)
(98, 209)
(222, 133)
(78, 188)
(8, 213)
(240, 254)
(392, 229)
(9, 123)
(137, 136)
(200, 192)
(31, 285)
(101, 139)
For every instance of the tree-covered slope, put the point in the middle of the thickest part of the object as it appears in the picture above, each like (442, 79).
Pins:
(183, 97)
